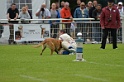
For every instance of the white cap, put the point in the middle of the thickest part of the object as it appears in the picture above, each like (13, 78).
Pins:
(120, 3)
(79, 34)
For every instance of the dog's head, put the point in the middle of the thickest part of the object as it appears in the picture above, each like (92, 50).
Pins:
(60, 43)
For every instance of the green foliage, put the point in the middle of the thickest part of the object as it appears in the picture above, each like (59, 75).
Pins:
(22, 63)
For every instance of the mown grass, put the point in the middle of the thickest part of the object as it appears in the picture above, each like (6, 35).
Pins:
(22, 63)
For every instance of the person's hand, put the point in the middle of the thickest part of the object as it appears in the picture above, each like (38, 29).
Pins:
(15, 18)
(103, 28)
(71, 18)
(9, 19)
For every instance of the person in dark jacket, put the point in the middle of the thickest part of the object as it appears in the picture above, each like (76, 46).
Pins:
(110, 22)
(92, 8)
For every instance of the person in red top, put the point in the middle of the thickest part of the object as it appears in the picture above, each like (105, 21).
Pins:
(110, 22)
(66, 14)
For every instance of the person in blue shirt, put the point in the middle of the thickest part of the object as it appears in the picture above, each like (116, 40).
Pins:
(81, 12)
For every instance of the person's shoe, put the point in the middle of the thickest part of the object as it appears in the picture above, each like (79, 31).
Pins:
(72, 50)
(9, 42)
(14, 43)
(72, 53)
(115, 48)
(102, 48)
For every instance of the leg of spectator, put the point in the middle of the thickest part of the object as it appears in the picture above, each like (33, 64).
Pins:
(11, 37)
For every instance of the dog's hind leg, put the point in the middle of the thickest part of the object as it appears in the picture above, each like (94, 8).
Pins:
(43, 48)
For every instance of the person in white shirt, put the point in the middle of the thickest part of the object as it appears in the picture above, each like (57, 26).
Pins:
(24, 15)
(121, 8)
(121, 11)
(68, 43)
(43, 13)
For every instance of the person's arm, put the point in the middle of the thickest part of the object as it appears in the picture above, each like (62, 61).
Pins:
(28, 16)
(8, 17)
(75, 13)
(17, 13)
(38, 12)
(102, 19)
(48, 14)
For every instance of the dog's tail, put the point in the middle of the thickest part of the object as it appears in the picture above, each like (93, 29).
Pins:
(36, 46)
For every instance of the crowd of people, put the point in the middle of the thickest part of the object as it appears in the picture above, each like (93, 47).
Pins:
(92, 9)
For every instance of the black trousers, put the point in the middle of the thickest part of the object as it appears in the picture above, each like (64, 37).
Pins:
(114, 37)
(11, 29)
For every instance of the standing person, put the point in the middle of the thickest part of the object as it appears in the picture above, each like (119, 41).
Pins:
(121, 11)
(68, 43)
(26, 6)
(24, 15)
(92, 8)
(77, 6)
(66, 14)
(96, 30)
(81, 12)
(62, 4)
(58, 6)
(12, 13)
(54, 26)
(110, 22)
(43, 13)
(121, 8)
(89, 5)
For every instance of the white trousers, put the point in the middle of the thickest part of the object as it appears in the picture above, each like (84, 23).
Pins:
(66, 45)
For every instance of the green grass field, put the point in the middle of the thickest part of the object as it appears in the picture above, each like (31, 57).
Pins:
(22, 63)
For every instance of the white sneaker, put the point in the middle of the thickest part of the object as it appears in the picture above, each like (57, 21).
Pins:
(72, 50)
(71, 53)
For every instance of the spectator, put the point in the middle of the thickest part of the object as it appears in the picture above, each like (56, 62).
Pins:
(92, 8)
(121, 8)
(26, 6)
(57, 7)
(121, 11)
(54, 26)
(96, 31)
(81, 12)
(110, 22)
(24, 15)
(12, 13)
(77, 6)
(68, 43)
(43, 13)
(66, 14)
(62, 4)
(89, 5)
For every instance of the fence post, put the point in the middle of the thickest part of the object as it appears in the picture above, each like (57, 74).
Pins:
(122, 29)
(79, 49)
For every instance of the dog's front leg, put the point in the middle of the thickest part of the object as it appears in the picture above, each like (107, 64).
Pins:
(52, 52)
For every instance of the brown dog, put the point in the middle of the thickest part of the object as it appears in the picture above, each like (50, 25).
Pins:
(53, 44)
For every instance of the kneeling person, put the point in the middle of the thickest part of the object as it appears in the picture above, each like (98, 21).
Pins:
(68, 43)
